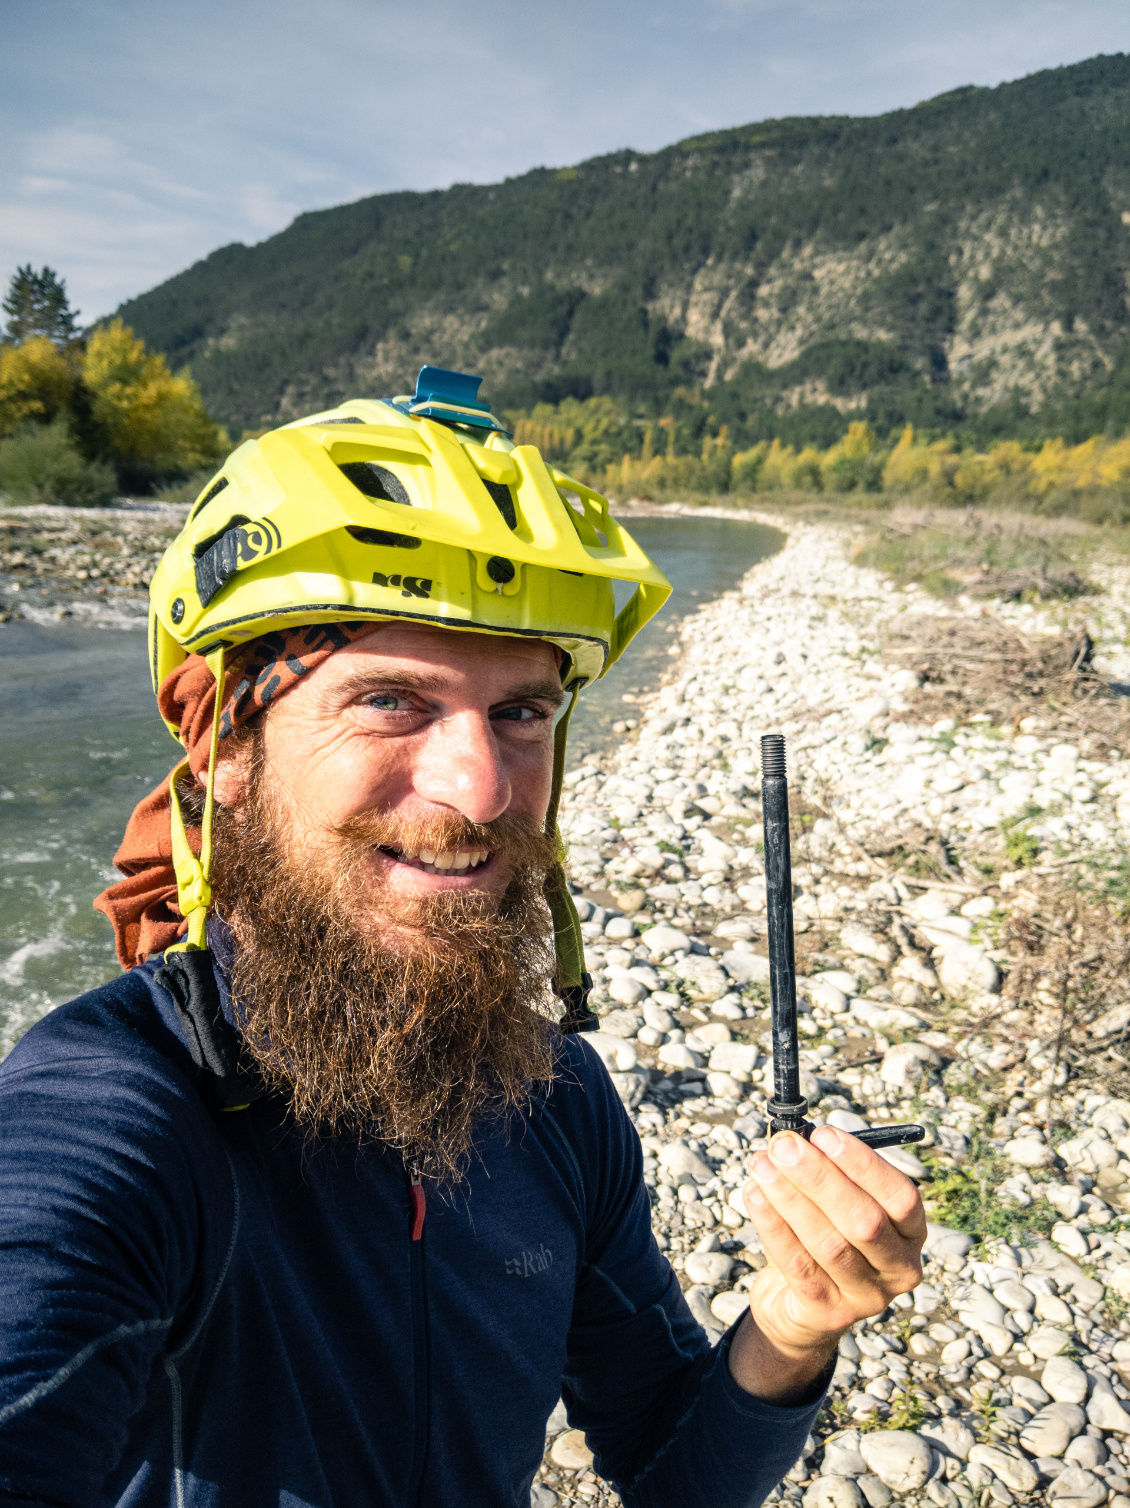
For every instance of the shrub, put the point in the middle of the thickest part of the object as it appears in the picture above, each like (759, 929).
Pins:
(1021, 846)
(914, 467)
(854, 464)
(964, 1198)
(42, 464)
(186, 490)
(782, 467)
(748, 465)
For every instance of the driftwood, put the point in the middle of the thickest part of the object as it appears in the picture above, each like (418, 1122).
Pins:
(1013, 585)
(970, 666)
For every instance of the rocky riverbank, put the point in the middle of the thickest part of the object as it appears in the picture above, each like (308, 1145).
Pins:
(963, 961)
(90, 564)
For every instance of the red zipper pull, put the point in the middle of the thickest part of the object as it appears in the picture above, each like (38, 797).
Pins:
(419, 1204)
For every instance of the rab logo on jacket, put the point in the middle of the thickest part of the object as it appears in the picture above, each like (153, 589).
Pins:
(529, 1264)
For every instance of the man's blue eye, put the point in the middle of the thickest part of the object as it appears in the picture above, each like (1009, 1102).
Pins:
(514, 714)
(384, 703)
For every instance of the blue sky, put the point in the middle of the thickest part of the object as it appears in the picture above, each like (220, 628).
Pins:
(138, 137)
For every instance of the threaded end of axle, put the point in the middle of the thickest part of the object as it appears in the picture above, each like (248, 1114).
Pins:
(772, 756)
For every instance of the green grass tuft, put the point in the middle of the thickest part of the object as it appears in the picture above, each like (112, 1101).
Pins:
(965, 1199)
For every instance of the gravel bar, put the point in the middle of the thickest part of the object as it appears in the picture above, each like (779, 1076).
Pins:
(1002, 1378)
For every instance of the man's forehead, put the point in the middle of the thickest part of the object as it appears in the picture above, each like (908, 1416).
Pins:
(445, 650)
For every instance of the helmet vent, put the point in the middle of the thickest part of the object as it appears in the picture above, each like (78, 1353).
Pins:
(383, 537)
(213, 491)
(348, 419)
(581, 520)
(377, 481)
(503, 501)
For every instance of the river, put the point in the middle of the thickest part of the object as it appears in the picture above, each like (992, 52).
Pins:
(81, 743)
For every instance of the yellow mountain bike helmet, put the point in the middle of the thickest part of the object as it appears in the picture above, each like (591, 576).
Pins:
(414, 508)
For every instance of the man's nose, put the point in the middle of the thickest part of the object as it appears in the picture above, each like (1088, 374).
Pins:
(461, 767)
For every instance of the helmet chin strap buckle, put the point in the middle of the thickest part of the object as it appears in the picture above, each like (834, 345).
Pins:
(577, 1016)
(189, 979)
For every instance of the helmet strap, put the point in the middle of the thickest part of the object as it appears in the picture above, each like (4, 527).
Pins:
(572, 983)
(194, 890)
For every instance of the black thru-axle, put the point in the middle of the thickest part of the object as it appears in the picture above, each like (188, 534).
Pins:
(788, 1109)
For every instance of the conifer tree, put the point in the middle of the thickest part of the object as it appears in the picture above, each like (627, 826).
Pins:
(37, 304)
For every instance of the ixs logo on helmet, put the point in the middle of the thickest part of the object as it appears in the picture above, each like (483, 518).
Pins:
(254, 540)
(410, 586)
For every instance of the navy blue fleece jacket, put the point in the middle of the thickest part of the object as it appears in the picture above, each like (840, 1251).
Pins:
(196, 1309)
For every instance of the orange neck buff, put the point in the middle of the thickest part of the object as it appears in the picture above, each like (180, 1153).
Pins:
(143, 907)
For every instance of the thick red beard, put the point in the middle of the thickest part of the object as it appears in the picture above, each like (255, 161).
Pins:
(411, 1045)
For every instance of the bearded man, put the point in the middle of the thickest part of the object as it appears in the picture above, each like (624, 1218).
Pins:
(320, 1203)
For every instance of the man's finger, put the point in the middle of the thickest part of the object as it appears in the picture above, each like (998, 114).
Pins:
(892, 1190)
(834, 1161)
(786, 1251)
(846, 1232)
(833, 1215)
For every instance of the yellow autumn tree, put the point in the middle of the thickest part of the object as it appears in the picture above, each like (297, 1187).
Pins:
(853, 463)
(777, 467)
(912, 466)
(153, 419)
(1112, 465)
(748, 466)
(37, 383)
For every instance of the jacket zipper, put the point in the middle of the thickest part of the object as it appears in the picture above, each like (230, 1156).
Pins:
(418, 1211)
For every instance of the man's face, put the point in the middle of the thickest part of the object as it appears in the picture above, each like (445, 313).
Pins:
(424, 730)
(391, 807)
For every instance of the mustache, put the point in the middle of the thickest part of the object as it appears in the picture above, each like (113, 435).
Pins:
(518, 841)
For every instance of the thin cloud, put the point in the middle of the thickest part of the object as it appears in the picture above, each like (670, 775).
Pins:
(138, 138)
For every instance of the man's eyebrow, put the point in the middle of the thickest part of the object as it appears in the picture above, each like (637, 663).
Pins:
(402, 680)
(427, 681)
(541, 691)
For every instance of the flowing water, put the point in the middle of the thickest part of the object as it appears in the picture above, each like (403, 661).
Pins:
(81, 743)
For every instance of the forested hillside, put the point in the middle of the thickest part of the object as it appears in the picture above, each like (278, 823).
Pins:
(962, 265)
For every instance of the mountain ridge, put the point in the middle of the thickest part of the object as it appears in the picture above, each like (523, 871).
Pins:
(961, 262)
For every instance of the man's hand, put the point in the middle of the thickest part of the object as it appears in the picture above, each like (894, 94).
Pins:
(842, 1231)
